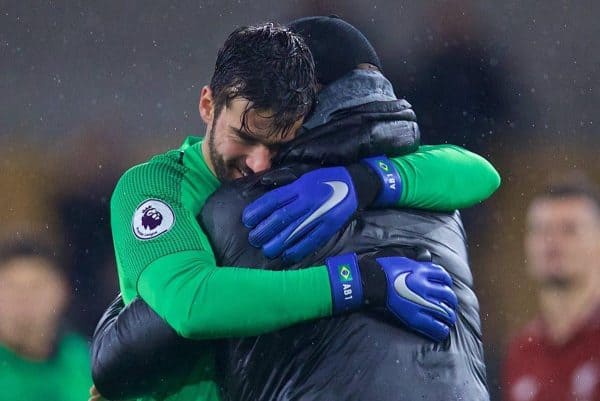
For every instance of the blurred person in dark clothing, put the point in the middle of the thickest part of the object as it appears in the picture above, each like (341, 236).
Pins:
(38, 360)
(557, 355)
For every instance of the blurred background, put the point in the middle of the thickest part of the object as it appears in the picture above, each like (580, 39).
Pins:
(92, 88)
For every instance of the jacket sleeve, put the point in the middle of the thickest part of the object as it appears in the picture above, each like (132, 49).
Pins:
(444, 178)
(135, 352)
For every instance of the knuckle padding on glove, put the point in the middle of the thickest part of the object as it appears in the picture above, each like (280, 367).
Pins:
(270, 227)
(263, 208)
(296, 252)
(278, 243)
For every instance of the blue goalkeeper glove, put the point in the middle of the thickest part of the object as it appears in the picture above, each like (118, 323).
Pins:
(419, 294)
(298, 218)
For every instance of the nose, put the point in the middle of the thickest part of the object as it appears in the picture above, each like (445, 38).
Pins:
(259, 158)
(552, 235)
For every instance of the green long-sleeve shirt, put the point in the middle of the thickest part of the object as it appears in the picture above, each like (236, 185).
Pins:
(164, 256)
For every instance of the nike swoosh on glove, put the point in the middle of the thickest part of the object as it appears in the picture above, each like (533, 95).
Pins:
(418, 293)
(297, 218)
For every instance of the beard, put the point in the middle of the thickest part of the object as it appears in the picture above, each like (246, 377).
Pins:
(224, 169)
(218, 162)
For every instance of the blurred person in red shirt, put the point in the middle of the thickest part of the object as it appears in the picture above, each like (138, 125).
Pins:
(557, 355)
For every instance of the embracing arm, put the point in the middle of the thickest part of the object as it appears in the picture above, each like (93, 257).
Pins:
(444, 177)
(200, 300)
(174, 270)
(135, 353)
(184, 293)
(171, 266)
(296, 219)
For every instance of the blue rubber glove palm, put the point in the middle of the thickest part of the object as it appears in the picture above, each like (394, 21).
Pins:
(295, 219)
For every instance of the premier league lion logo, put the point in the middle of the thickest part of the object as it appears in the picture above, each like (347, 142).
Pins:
(151, 218)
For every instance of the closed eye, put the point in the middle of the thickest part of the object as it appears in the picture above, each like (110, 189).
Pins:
(248, 139)
(244, 137)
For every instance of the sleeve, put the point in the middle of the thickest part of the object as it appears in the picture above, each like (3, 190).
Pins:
(445, 177)
(164, 257)
(136, 353)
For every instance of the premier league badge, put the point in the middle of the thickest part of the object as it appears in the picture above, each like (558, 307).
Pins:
(152, 218)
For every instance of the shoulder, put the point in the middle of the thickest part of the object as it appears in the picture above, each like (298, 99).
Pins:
(160, 176)
(160, 167)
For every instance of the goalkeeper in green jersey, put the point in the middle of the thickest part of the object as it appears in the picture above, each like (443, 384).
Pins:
(262, 88)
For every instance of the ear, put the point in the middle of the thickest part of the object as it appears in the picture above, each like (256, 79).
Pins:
(206, 107)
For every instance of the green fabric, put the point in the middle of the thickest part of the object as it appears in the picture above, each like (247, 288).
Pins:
(445, 177)
(161, 178)
(202, 301)
(63, 377)
(176, 273)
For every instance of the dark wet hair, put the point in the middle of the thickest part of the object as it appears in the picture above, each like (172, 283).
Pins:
(575, 184)
(272, 68)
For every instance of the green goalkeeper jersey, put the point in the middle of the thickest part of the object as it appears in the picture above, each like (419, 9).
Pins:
(164, 257)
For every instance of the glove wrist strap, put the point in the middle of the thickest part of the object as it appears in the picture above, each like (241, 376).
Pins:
(346, 284)
(367, 184)
(374, 281)
(391, 183)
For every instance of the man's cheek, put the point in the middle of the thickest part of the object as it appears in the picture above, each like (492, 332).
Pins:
(232, 150)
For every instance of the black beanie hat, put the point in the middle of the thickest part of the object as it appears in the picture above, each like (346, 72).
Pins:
(337, 47)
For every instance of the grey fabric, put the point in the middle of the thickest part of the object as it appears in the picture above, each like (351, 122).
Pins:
(355, 88)
(362, 356)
